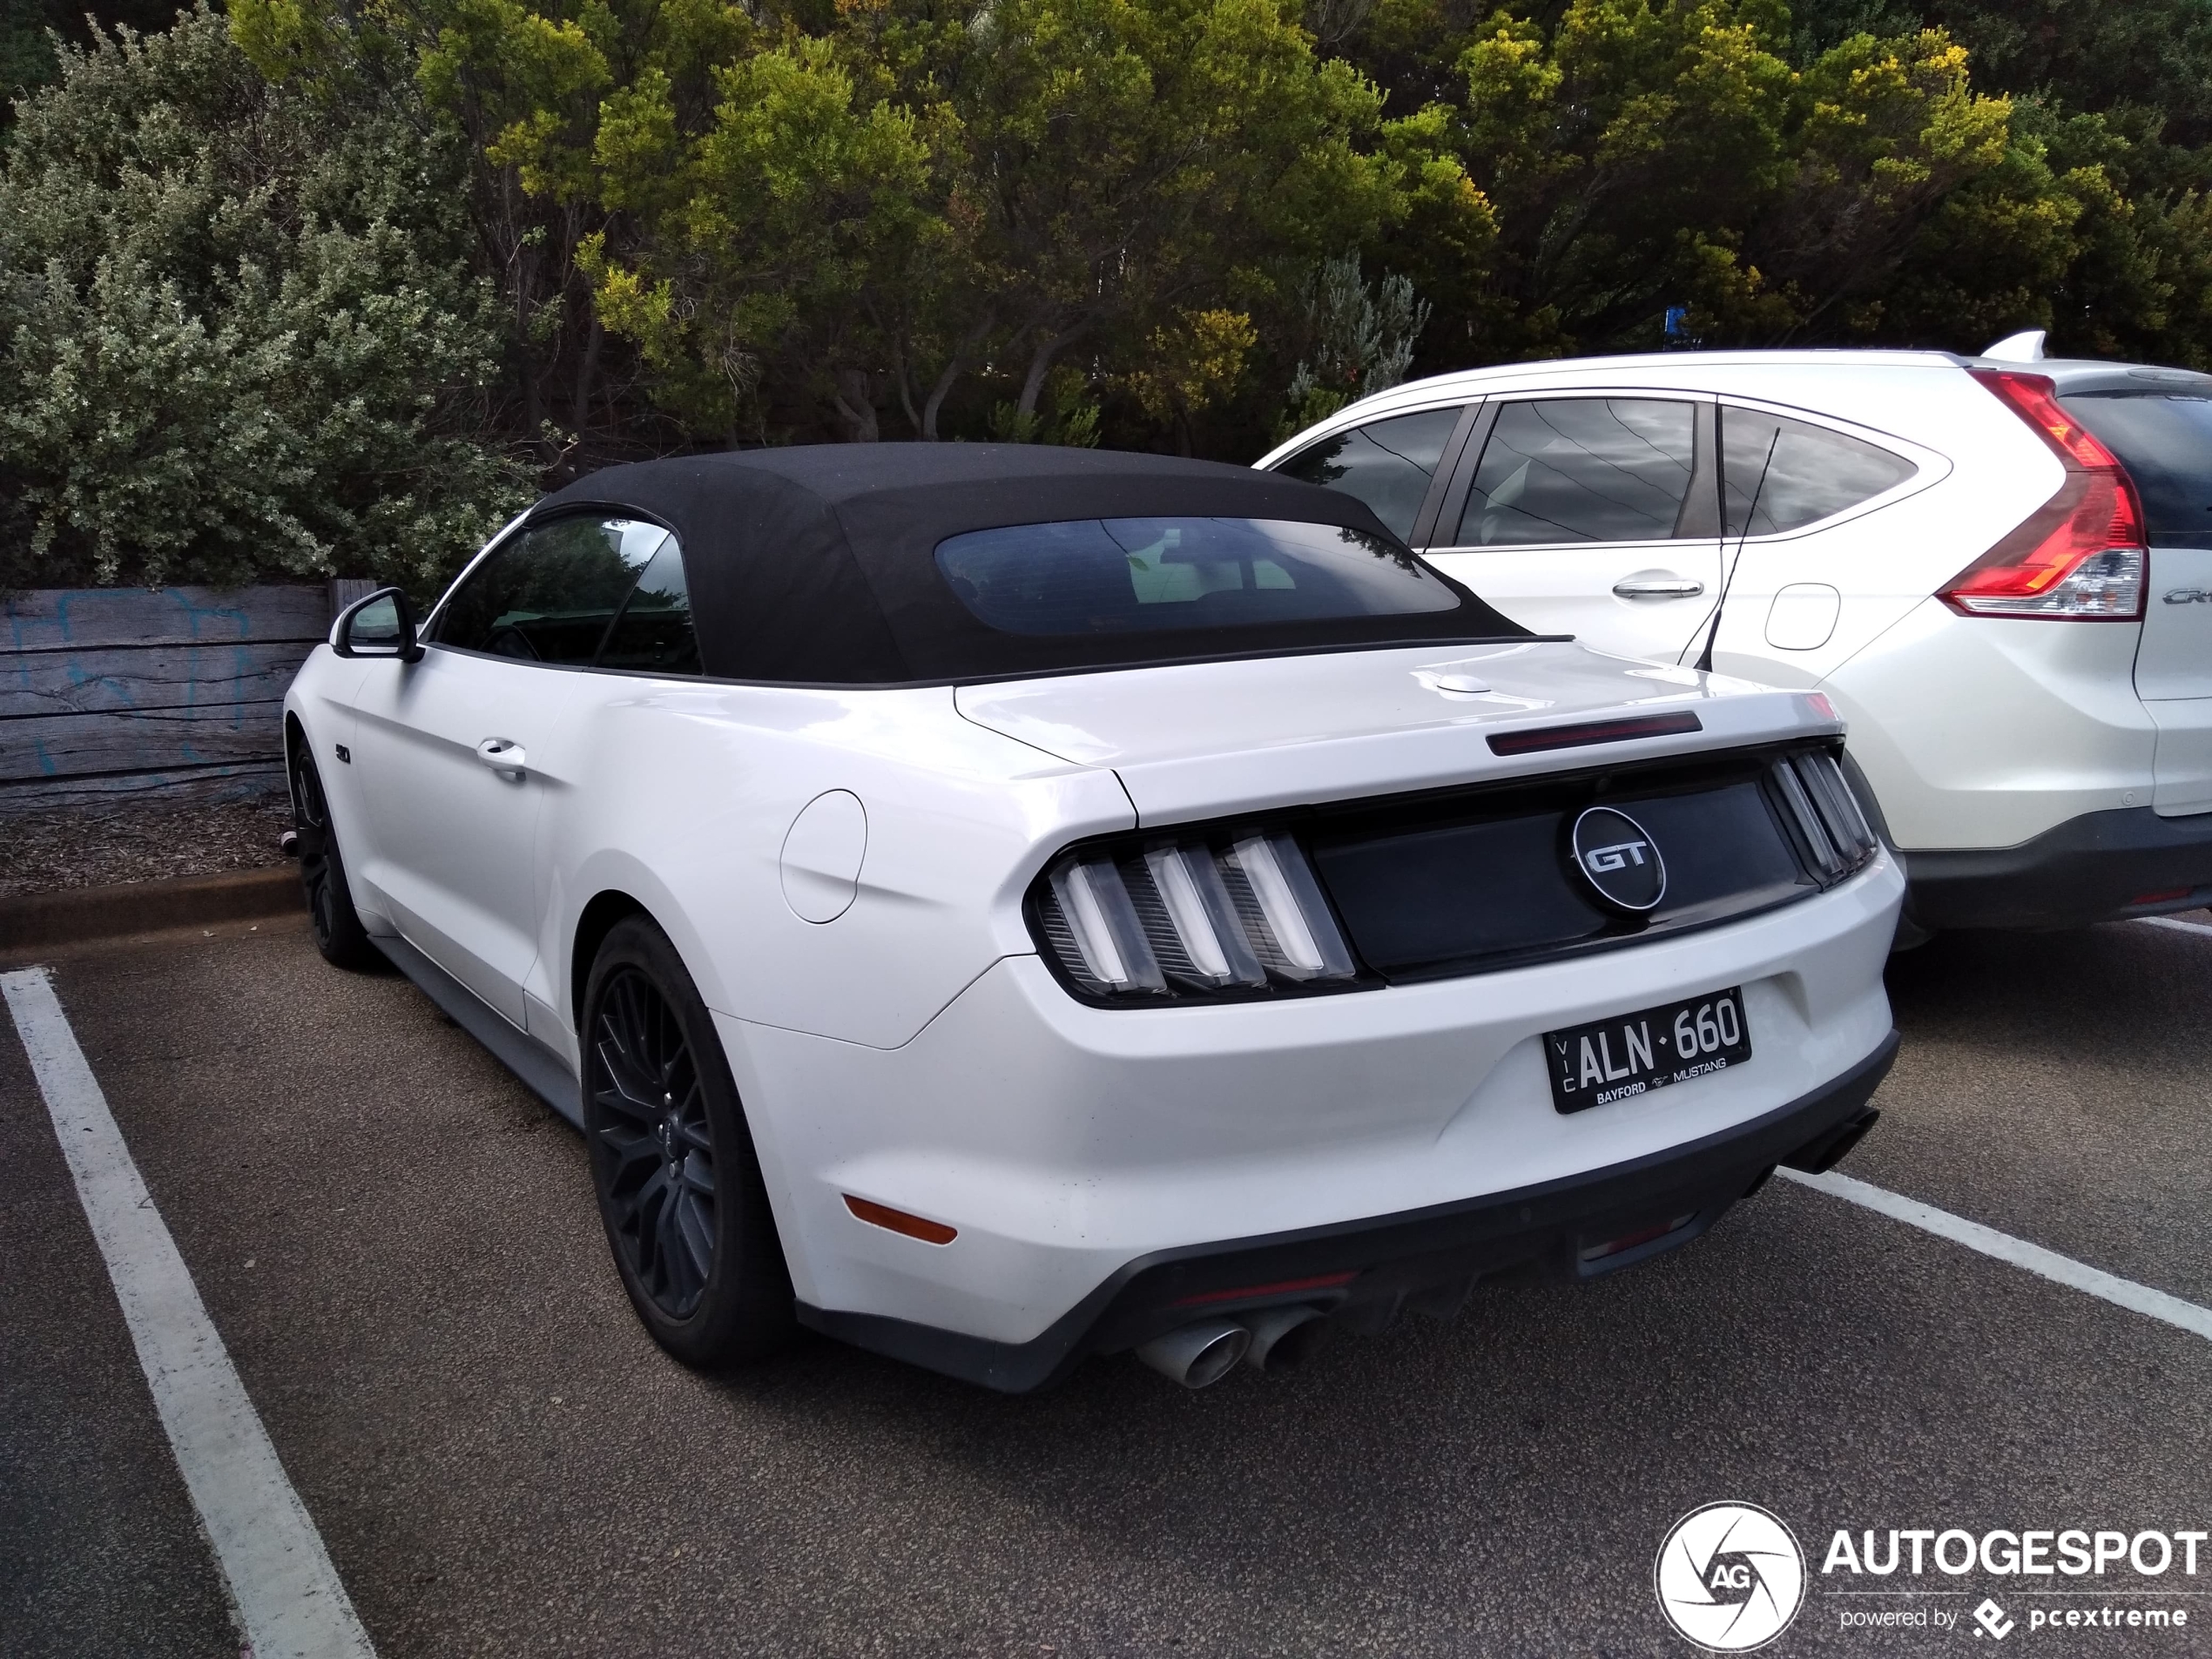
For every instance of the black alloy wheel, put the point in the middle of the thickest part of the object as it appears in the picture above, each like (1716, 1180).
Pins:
(339, 934)
(657, 1143)
(679, 1189)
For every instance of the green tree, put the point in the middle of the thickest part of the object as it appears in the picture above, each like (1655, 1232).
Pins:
(756, 235)
(28, 29)
(779, 212)
(1114, 164)
(1358, 339)
(2082, 55)
(1191, 364)
(1639, 154)
(237, 338)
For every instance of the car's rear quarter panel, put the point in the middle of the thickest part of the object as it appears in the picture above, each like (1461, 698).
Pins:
(682, 799)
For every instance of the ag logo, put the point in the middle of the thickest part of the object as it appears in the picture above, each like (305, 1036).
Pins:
(1729, 1577)
(1619, 861)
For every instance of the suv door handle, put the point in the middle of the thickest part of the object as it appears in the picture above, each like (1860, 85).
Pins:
(503, 755)
(1659, 584)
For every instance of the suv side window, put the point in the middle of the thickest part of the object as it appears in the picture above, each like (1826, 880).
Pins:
(1388, 464)
(578, 592)
(1798, 474)
(1581, 470)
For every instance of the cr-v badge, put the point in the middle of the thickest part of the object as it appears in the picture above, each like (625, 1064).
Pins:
(1620, 860)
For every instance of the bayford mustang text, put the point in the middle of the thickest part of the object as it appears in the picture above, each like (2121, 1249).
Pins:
(997, 905)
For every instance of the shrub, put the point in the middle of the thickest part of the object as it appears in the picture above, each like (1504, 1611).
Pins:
(239, 337)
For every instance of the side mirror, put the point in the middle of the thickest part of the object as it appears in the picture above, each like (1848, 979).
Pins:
(381, 625)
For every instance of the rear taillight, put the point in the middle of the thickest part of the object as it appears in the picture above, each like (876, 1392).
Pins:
(2081, 555)
(1832, 834)
(1231, 914)
(2034, 398)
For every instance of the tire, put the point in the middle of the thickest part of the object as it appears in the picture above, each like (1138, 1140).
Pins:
(339, 934)
(673, 1163)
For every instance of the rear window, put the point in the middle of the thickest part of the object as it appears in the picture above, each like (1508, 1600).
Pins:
(2165, 441)
(1780, 475)
(1120, 575)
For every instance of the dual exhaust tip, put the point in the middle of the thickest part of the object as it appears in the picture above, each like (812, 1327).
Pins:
(1200, 1355)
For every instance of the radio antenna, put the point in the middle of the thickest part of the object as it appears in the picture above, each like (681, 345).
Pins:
(1728, 579)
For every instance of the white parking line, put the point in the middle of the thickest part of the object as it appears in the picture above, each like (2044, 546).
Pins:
(2169, 921)
(287, 1592)
(2048, 1264)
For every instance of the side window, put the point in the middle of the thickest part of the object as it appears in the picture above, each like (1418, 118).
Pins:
(653, 634)
(553, 595)
(1388, 464)
(1797, 474)
(1581, 470)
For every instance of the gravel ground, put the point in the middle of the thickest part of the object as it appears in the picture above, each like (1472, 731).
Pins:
(94, 846)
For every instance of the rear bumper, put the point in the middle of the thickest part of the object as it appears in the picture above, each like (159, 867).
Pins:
(1426, 1259)
(2100, 867)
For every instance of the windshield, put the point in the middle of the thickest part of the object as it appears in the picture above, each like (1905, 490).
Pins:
(1115, 575)
(2165, 441)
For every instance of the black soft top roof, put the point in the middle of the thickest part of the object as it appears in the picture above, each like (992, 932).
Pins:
(816, 564)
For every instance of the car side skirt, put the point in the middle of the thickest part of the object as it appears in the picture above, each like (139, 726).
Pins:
(545, 1073)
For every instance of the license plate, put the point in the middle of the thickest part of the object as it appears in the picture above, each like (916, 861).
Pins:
(1632, 1054)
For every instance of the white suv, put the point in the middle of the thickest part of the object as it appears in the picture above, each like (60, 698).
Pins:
(2000, 570)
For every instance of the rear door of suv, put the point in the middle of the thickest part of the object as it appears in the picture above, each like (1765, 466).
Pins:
(1594, 513)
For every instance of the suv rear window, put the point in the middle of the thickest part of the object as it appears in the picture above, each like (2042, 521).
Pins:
(1780, 475)
(1110, 575)
(2164, 440)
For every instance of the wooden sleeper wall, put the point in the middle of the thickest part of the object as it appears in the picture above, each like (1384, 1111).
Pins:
(173, 692)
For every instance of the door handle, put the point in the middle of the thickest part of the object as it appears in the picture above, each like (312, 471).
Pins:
(503, 755)
(1661, 585)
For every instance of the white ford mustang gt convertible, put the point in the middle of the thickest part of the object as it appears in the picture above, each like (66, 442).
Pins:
(1001, 905)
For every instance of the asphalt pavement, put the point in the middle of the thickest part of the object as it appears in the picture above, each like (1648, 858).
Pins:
(398, 1246)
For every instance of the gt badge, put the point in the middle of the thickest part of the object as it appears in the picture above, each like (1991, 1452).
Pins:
(1619, 860)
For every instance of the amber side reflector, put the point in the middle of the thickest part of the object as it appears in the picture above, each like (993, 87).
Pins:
(1577, 737)
(897, 1221)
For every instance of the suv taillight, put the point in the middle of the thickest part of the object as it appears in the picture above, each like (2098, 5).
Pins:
(2081, 555)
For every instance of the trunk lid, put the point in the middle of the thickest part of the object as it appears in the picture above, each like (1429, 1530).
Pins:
(2161, 431)
(2175, 660)
(1197, 739)
(2173, 675)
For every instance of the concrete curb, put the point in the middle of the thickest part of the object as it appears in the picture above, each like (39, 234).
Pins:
(79, 913)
